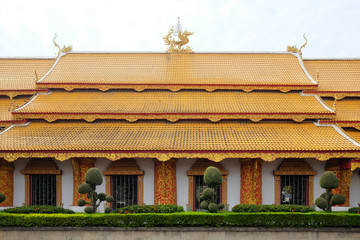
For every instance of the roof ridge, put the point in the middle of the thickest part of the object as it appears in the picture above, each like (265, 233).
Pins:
(197, 52)
(61, 54)
(339, 130)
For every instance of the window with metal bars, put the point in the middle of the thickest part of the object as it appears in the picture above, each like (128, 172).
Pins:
(199, 187)
(43, 189)
(294, 189)
(124, 190)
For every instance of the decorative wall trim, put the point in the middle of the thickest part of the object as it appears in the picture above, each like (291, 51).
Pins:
(342, 170)
(165, 186)
(7, 182)
(251, 181)
(80, 167)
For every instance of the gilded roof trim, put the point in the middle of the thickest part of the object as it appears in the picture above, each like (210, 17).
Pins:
(354, 124)
(14, 93)
(174, 87)
(335, 94)
(319, 100)
(61, 54)
(173, 117)
(339, 130)
(165, 156)
(298, 55)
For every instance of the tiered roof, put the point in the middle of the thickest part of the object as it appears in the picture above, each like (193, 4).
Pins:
(337, 78)
(19, 76)
(209, 71)
(186, 104)
(158, 105)
(216, 141)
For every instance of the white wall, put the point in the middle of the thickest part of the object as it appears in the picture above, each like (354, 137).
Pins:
(102, 164)
(67, 182)
(19, 182)
(182, 166)
(234, 181)
(147, 165)
(268, 182)
(318, 166)
(355, 189)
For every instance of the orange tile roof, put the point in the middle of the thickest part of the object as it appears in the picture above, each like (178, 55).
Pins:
(186, 104)
(353, 133)
(180, 136)
(347, 109)
(178, 71)
(18, 75)
(347, 112)
(5, 103)
(336, 76)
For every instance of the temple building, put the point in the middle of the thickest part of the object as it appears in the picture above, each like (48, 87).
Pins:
(272, 122)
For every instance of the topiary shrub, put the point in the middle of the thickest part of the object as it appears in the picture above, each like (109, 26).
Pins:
(93, 178)
(212, 178)
(326, 200)
(2, 197)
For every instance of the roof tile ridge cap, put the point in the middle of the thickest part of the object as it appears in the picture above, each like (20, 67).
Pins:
(15, 125)
(31, 100)
(57, 60)
(297, 55)
(339, 130)
(319, 100)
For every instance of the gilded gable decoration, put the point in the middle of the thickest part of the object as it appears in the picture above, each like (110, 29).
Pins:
(62, 50)
(177, 39)
(294, 49)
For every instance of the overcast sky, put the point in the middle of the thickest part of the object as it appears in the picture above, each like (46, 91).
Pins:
(331, 26)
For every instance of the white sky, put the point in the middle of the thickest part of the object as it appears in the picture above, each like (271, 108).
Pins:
(331, 26)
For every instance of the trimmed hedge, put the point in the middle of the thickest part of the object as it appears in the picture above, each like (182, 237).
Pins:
(38, 209)
(354, 210)
(272, 208)
(150, 209)
(188, 219)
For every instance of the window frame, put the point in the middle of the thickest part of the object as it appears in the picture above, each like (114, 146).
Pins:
(198, 169)
(291, 167)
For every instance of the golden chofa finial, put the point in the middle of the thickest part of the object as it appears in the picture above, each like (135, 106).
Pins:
(64, 49)
(294, 49)
(176, 40)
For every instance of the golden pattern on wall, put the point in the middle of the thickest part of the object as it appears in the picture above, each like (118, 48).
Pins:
(342, 169)
(125, 167)
(7, 182)
(165, 191)
(42, 166)
(80, 167)
(251, 181)
(294, 167)
(198, 169)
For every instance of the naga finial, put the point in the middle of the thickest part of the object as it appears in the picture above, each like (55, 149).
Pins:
(177, 39)
(56, 44)
(64, 49)
(294, 49)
